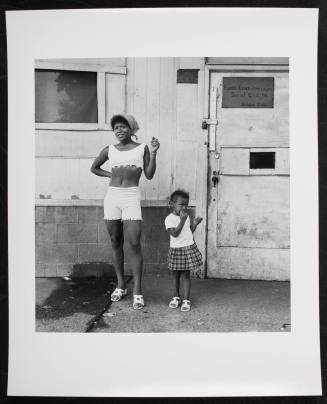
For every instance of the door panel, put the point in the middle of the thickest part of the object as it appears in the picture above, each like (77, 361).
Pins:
(238, 263)
(255, 126)
(248, 210)
(251, 213)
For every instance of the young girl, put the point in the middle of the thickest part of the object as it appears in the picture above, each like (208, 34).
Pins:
(183, 253)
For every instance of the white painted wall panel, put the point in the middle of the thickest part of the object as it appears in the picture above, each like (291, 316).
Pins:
(253, 212)
(153, 117)
(188, 125)
(186, 169)
(130, 80)
(152, 98)
(191, 63)
(52, 143)
(115, 95)
(252, 263)
(187, 138)
(163, 109)
(140, 103)
(167, 127)
(61, 178)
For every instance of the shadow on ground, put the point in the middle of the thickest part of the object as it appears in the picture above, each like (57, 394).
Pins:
(69, 297)
(77, 305)
(69, 305)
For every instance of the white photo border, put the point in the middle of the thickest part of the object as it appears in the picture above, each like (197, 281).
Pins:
(209, 364)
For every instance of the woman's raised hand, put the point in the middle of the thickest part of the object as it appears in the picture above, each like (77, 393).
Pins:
(154, 145)
(198, 220)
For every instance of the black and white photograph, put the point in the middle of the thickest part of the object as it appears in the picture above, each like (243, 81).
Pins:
(168, 212)
(162, 195)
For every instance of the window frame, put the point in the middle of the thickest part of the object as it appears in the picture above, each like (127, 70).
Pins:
(101, 70)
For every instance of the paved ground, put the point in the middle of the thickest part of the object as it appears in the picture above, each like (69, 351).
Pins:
(82, 305)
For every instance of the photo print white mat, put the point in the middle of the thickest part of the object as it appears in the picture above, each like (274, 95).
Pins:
(137, 364)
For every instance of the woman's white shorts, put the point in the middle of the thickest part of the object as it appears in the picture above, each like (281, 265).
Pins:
(122, 204)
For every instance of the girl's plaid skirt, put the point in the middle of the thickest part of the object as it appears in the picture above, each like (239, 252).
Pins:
(184, 258)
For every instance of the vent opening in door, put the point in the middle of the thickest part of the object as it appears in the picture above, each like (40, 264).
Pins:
(262, 160)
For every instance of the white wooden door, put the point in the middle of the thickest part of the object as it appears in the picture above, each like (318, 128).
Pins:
(248, 208)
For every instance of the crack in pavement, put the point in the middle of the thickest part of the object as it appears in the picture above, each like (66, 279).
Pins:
(93, 322)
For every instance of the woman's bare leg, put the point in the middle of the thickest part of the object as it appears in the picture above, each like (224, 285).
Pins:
(132, 233)
(115, 230)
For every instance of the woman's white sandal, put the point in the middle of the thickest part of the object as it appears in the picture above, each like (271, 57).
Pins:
(117, 294)
(174, 303)
(186, 305)
(138, 302)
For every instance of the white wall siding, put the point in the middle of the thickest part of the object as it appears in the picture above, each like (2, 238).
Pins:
(152, 117)
(163, 109)
(115, 94)
(67, 178)
(167, 127)
(52, 143)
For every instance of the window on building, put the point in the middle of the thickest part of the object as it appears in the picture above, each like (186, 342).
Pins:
(65, 96)
(78, 96)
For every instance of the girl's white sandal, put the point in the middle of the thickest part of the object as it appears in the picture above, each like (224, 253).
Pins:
(186, 305)
(117, 294)
(174, 303)
(138, 302)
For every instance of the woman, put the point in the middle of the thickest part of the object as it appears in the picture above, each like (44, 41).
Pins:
(122, 205)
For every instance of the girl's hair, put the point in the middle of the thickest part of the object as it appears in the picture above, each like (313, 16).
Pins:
(181, 193)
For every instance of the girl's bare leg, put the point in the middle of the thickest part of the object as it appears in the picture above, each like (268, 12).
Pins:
(176, 276)
(115, 230)
(186, 282)
(132, 232)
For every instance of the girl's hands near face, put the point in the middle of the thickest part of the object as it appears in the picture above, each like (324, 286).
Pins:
(183, 214)
(154, 145)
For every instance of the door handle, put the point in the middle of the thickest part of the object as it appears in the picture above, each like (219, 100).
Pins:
(215, 178)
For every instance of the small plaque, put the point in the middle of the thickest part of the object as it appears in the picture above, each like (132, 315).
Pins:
(248, 92)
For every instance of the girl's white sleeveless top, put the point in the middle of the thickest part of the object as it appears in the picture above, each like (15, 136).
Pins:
(133, 157)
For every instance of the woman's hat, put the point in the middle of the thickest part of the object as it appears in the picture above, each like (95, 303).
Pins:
(129, 119)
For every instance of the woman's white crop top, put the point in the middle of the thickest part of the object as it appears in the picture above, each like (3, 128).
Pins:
(133, 157)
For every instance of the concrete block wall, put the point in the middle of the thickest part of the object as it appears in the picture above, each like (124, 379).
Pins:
(73, 241)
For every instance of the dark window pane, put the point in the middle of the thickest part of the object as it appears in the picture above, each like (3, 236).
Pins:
(66, 96)
(262, 159)
(187, 76)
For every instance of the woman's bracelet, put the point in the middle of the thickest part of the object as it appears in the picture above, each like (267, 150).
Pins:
(154, 153)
